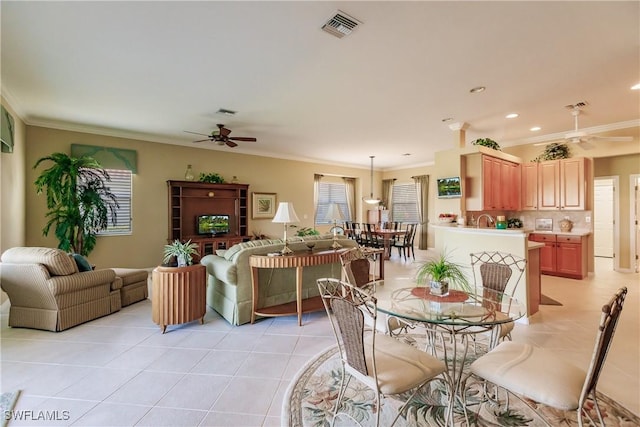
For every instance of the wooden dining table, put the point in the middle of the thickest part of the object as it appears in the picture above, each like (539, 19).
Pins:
(388, 236)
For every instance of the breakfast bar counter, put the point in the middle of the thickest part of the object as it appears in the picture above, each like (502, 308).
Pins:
(460, 241)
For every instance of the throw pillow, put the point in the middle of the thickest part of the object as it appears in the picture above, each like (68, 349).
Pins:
(82, 263)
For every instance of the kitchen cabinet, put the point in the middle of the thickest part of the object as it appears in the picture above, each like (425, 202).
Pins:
(562, 184)
(529, 187)
(562, 255)
(494, 184)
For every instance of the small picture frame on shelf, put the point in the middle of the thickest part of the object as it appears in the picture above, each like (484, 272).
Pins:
(263, 205)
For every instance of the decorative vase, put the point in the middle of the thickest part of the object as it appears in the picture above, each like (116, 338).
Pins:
(438, 287)
(566, 225)
(501, 222)
(188, 175)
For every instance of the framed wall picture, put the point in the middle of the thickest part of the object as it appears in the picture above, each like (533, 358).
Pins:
(263, 205)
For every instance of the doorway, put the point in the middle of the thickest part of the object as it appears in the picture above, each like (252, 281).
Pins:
(634, 216)
(605, 222)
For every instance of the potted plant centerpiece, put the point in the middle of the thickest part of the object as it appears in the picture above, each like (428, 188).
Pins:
(182, 252)
(440, 272)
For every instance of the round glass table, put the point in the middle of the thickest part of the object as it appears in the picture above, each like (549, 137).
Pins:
(457, 315)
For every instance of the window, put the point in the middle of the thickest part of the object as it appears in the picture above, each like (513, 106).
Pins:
(404, 203)
(120, 185)
(331, 192)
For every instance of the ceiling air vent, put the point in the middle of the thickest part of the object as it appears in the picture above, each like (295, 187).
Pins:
(580, 104)
(340, 25)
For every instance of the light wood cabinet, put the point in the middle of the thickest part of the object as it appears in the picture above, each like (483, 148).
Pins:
(188, 199)
(562, 255)
(562, 184)
(496, 187)
(529, 187)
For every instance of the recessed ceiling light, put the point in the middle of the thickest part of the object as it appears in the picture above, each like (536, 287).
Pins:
(447, 119)
(512, 115)
(406, 154)
(477, 89)
(225, 112)
(535, 129)
(635, 87)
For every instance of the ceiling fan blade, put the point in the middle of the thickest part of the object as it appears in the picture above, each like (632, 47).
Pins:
(585, 145)
(558, 141)
(223, 130)
(231, 144)
(242, 138)
(203, 140)
(196, 133)
(614, 138)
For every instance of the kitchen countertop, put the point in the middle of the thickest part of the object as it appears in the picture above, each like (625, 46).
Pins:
(491, 230)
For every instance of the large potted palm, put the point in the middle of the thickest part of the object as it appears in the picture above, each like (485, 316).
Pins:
(79, 202)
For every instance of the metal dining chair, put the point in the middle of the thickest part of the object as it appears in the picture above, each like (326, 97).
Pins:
(378, 361)
(539, 374)
(495, 271)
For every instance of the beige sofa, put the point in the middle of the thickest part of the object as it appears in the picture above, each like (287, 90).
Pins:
(47, 291)
(229, 289)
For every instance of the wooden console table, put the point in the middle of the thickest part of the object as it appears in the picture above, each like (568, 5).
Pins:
(297, 260)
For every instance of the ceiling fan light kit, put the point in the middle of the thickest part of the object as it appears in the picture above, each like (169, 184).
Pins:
(581, 137)
(221, 137)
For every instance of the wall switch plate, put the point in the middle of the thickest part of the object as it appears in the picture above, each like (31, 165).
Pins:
(587, 219)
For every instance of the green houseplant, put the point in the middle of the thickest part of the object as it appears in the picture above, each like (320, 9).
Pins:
(211, 178)
(78, 201)
(307, 231)
(182, 252)
(487, 142)
(441, 272)
(554, 151)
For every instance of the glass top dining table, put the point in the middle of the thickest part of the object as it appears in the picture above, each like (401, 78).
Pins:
(458, 314)
(455, 311)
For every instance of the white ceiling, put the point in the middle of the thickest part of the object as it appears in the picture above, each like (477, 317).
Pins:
(151, 70)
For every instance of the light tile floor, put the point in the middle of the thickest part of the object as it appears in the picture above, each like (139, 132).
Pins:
(121, 371)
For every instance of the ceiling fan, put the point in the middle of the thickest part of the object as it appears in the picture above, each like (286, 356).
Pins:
(581, 137)
(221, 137)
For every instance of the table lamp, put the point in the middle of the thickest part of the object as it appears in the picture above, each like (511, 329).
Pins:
(285, 215)
(334, 214)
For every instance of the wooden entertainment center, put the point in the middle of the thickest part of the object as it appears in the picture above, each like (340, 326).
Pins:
(189, 199)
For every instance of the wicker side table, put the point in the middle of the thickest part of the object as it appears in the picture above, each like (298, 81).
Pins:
(178, 295)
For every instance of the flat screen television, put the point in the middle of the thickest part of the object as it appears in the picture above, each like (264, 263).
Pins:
(449, 187)
(212, 224)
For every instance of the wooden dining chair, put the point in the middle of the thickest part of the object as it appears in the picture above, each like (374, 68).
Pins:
(540, 375)
(378, 361)
(405, 243)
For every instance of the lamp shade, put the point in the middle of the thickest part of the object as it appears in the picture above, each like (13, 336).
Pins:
(285, 213)
(334, 213)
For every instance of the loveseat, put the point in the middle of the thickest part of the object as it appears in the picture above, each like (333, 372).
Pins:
(47, 291)
(229, 290)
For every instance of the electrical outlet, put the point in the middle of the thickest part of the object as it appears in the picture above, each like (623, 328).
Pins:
(587, 219)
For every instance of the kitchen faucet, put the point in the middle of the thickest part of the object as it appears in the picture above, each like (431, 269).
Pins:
(490, 220)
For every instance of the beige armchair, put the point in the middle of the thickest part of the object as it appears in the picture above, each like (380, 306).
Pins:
(46, 290)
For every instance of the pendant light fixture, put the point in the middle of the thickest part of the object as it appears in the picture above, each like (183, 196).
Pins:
(371, 200)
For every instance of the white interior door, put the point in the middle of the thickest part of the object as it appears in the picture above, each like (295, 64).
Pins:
(637, 223)
(603, 217)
